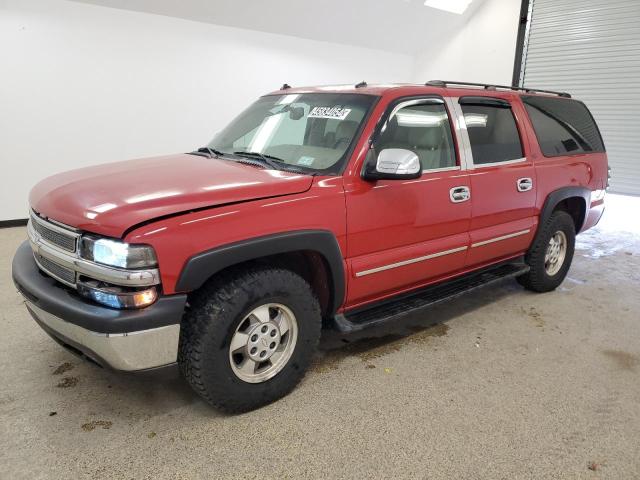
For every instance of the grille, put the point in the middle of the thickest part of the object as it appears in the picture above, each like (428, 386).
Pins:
(55, 237)
(62, 273)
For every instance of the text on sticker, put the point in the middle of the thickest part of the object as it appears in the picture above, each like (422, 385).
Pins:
(337, 113)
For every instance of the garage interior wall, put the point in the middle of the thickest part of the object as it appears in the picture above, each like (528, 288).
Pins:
(592, 49)
(481, 51)
(85, 84)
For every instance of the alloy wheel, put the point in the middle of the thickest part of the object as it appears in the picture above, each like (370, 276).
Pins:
(556, 253)
(263, 343)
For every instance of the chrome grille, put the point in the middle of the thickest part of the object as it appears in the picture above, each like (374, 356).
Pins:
(57, 271)
(54, 235)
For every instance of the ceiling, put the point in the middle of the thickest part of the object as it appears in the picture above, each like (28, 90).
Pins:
(403, 26)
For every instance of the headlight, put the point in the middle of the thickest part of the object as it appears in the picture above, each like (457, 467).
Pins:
(116, 253)
(117, 297)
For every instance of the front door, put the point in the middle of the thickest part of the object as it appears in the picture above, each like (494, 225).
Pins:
(406, 233)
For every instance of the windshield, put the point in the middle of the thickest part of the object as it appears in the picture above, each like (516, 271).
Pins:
(312, 131)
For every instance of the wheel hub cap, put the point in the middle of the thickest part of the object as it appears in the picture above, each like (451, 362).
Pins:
(263, 343)
(556, 252)
(264, 339)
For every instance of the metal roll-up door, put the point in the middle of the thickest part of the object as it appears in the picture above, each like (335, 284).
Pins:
(591, 49)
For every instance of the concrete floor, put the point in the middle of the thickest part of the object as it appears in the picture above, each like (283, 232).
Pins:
(512, 385)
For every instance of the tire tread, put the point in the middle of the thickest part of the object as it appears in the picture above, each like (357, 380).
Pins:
(200, 324)
(537, 279)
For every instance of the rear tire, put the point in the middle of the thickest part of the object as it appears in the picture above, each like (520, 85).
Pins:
(551, 254)
(248, 337)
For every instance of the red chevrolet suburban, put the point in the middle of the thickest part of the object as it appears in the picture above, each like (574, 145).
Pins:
(343, 206)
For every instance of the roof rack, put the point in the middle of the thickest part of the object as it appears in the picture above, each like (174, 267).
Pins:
(487, 86)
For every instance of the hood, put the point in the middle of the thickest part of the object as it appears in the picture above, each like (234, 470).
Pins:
(108, 199)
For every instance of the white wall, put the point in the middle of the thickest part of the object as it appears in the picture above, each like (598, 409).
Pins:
(482, 50)
(83, 84)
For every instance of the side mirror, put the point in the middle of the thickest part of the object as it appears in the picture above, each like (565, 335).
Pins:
(394, 164)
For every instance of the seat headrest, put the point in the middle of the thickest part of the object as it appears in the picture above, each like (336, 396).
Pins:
(425, 137)
(346, 129)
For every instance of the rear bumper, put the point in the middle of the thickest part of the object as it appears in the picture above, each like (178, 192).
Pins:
(126, 340)
(594, 214)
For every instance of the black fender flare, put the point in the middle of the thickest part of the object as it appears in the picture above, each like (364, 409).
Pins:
(202, 266)
(557, 196)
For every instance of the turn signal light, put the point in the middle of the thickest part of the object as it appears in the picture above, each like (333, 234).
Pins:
(117, 297)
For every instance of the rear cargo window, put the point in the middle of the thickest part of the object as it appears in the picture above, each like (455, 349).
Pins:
(492, 131)
(563, 126)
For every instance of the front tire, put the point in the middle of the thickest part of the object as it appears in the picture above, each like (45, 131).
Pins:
(551, 254)
(248, 337)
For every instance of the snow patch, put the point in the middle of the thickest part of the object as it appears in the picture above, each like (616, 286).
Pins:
(618, 229)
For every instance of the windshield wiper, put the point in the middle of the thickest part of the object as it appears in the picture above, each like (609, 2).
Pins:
(269, 160)
(211, 152)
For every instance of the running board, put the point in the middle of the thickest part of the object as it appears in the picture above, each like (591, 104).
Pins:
(398, 307)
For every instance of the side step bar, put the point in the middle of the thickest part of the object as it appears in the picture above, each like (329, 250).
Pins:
(389, 310)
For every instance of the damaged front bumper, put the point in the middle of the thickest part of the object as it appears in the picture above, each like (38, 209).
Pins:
(127, 340)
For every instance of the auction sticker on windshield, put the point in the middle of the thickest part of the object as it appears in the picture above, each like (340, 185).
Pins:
(336, 113)
(306, 161)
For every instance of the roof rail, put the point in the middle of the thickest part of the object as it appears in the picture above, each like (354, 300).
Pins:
(487, 86)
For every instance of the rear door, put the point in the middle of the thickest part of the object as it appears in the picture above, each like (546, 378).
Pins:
(502, 178)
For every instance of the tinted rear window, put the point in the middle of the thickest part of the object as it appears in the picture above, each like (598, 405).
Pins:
(563, 126)
(492, 132)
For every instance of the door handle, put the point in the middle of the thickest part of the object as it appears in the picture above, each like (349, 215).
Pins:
(524, 184)
(459, 194)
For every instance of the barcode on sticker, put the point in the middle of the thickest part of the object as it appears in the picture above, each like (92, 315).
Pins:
(337, 113)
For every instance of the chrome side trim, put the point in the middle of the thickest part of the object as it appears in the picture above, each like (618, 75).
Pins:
(443, 169)
(131, 351)
(497, 164)
(117, 276)
(502, 237)
(409, 262)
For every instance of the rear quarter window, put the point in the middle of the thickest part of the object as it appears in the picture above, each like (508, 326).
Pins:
(563, 126)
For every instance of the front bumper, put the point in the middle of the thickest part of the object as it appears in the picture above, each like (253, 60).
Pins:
(126, 340)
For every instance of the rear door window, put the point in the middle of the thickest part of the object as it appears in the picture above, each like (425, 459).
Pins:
(563, 126)
(492, 130)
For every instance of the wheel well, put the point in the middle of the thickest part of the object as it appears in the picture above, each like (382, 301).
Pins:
(576, 207)
(309, 264)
